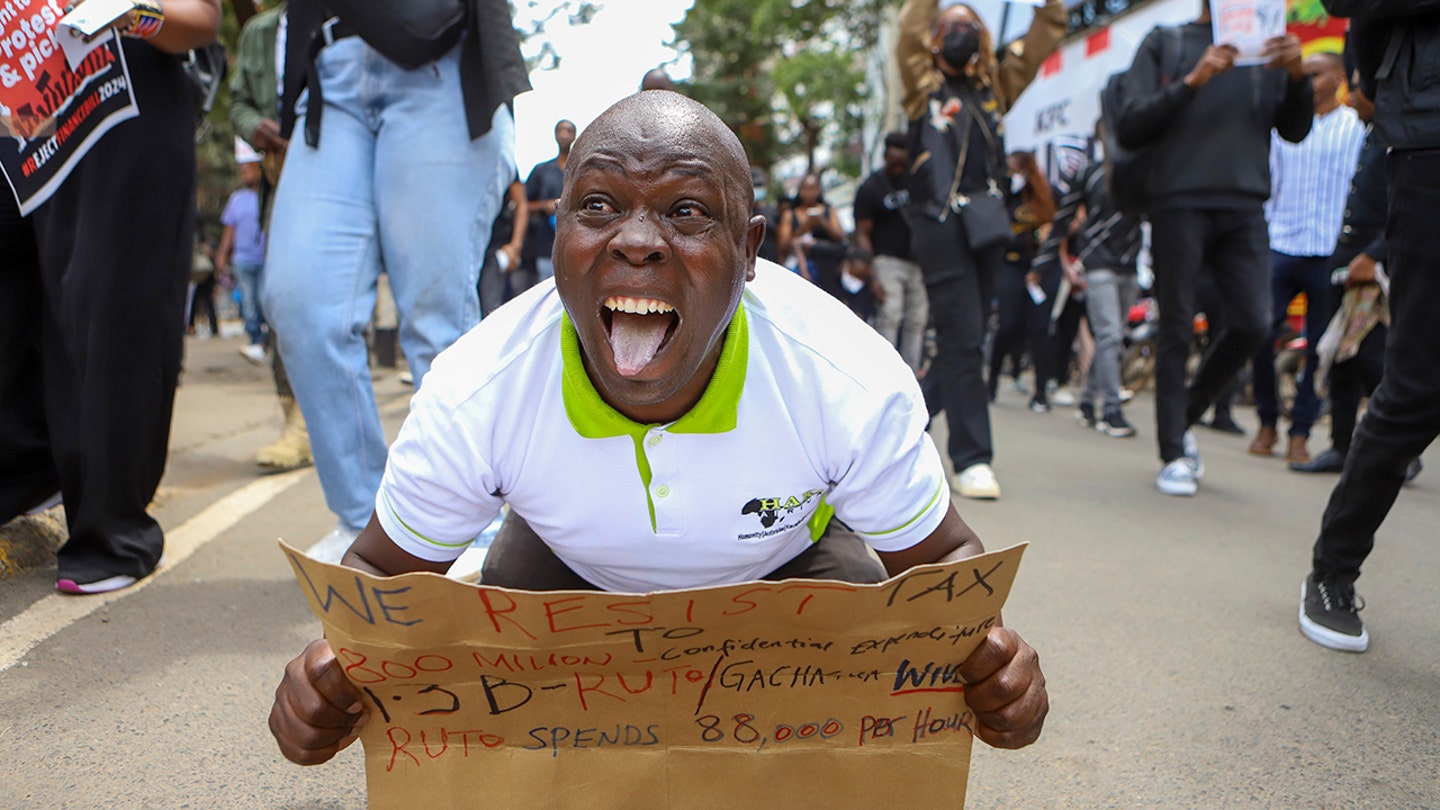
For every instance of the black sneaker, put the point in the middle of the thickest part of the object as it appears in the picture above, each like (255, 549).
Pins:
(1113, 424)
(1039, 404)
(1223, 422)
(1085, 415)
(1329, 615)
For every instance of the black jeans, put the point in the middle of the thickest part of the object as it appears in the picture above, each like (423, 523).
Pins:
(1352, 381)
(1235, 245)
(960, 285)
(1062, 343)
(1404, 414)
(202, 299)
(1019, 317)
(520, 559)
(1356, 378)
(92, 307)
(1209, 301)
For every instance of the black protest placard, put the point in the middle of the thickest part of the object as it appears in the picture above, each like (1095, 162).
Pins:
(50, 114)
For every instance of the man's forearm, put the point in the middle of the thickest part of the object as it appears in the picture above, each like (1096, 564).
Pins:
(1297, 111)
(188, 24)
(862, 237)
(1148, 118)
(1022, 59)
(912, 54)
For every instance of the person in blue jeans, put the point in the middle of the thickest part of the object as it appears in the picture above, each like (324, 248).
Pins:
(1309, 183)
(400, 170)
(242, 251)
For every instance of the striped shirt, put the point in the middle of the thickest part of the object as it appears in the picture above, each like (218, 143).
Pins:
(1309, 183)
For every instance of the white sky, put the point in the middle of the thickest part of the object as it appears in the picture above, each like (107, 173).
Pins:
(600, 63)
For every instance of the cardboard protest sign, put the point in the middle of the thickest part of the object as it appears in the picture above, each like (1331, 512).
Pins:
(50, 115)
(800, 693)
(1247, 24)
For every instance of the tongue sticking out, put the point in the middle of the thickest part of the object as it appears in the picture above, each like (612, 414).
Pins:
(634, 339)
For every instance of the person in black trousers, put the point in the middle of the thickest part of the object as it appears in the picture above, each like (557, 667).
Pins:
(1021, 319)
(1359, 250)
(956, 92)
(1397, 46)
(1208, 126)
(92, 305)
(202, 294)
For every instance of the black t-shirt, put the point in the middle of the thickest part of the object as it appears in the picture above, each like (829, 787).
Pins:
(879, 201)
(504, 225)
(769, 249)
(546, 181)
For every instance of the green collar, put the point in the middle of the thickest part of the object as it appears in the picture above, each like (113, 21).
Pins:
(716, 412)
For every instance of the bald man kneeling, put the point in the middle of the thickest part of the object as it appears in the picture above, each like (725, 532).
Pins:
(670, 413)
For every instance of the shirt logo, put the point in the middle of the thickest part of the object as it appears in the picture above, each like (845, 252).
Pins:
(896, 200)
(771, 509)
(941, 117)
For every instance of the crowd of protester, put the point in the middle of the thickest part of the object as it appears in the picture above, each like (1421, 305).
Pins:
(974, 263)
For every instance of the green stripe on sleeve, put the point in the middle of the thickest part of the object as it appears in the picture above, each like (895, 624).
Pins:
(907, 524)
(412, 531)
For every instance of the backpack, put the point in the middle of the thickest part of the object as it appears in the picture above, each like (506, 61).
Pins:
(1128, 170)
(206, 68)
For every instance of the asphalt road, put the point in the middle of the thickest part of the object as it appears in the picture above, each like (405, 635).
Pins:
(1167, 630)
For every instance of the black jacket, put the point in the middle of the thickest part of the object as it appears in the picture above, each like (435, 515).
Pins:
(1365, 207)
(1397, 45)
(1212, 145)
(1108, 240)
(492, 69)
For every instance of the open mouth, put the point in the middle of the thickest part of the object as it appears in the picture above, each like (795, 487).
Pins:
(638, 329)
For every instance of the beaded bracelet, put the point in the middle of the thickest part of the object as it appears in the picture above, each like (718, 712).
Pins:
(145, 19)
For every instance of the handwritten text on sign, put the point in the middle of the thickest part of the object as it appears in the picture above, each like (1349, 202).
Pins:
(789, 693)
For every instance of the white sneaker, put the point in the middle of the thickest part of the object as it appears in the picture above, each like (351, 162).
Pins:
(978, 481)
(332, 547)
(1064, 398)
(1177, 478)
(255, 353)
(1192, 455)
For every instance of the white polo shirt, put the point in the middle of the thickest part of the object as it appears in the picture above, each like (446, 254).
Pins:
(810, 414)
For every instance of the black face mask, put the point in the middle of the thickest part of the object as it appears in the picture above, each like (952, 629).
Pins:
(960, 45)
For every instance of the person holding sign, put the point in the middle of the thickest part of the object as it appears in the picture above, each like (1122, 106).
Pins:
(669, 412)
(92, 284)
(1206, 118)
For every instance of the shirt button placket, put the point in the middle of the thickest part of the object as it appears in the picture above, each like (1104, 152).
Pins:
(660, 450)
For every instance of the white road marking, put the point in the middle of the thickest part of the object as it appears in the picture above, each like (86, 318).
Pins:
(57, 611)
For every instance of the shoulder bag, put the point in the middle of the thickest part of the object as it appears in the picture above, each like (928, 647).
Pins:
(985, 216)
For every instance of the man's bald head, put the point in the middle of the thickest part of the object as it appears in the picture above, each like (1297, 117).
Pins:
(1326, 70)
(654, 242)
(1329, 60)
(674, 123)
(657, 79)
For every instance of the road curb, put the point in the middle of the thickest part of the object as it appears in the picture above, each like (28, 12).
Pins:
(30, 541)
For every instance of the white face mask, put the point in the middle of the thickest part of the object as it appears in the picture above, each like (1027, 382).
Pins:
(1017, 183)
